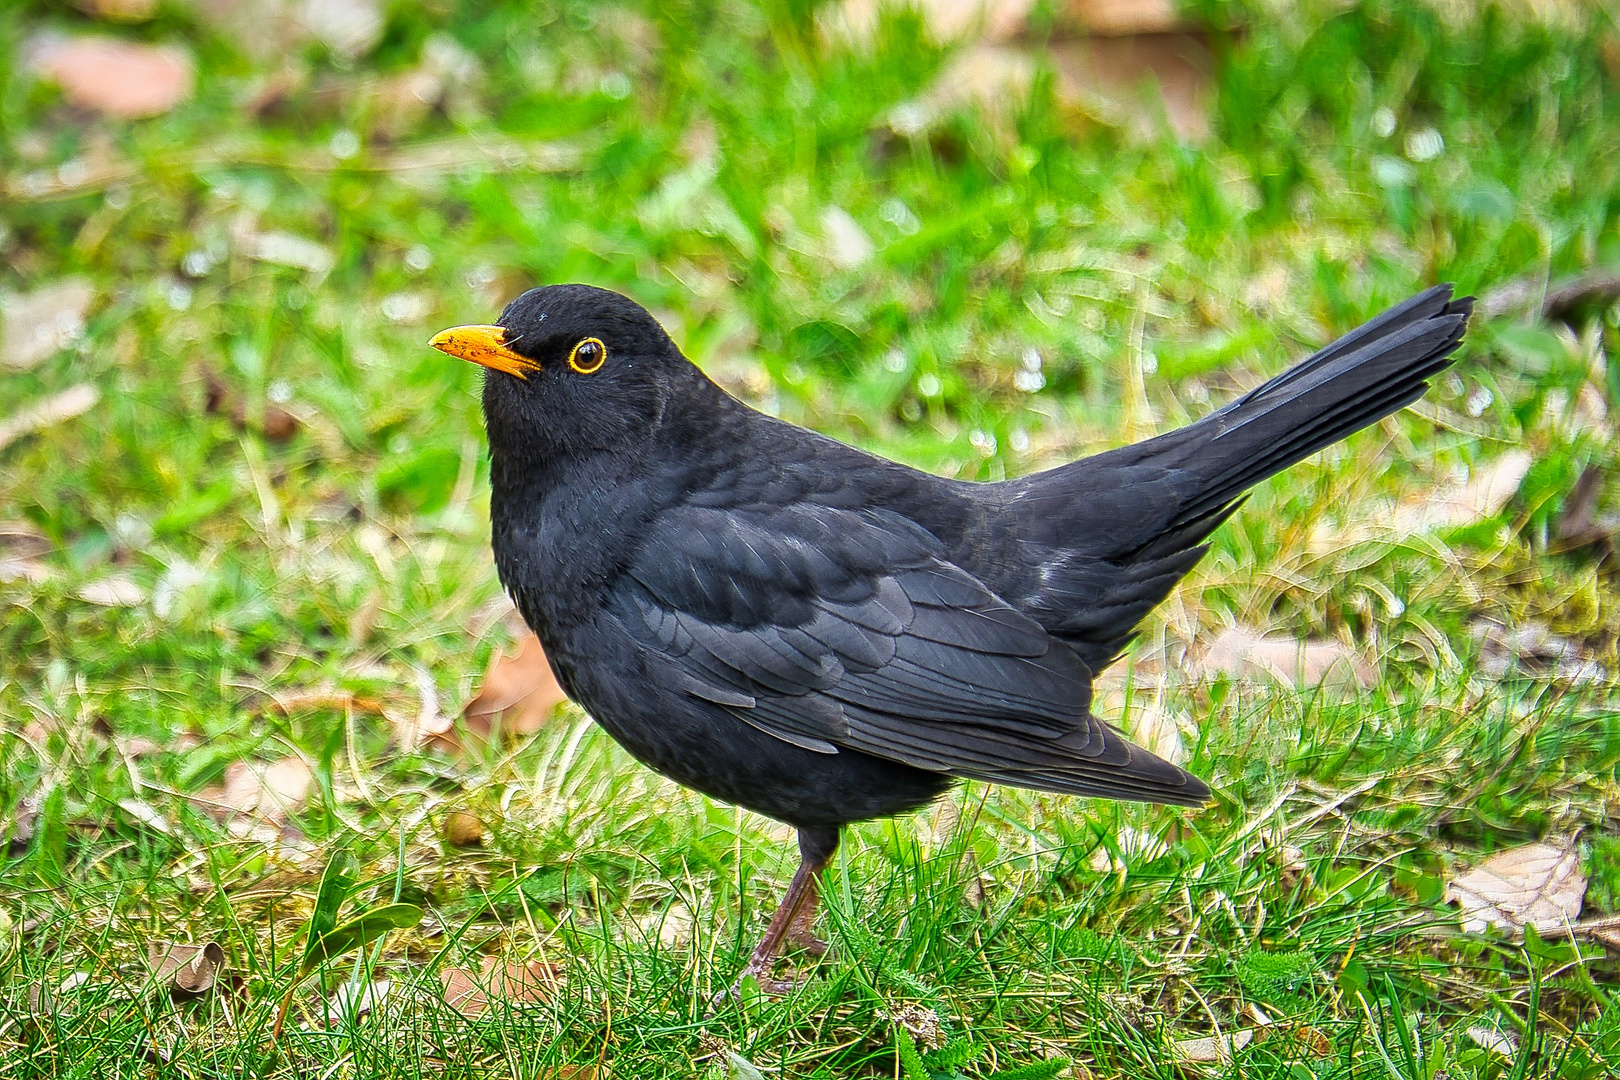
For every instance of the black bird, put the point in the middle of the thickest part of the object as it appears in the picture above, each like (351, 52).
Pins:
(823, 636)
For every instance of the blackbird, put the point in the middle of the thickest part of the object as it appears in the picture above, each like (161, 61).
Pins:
(823, 636)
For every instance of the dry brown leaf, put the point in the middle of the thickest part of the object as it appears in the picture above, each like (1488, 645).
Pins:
(72, 402)
(1099, 77)
(1577, 525)
(277, 424)
(287, 702)
(114, 591)
(1125, 17)
(1539, 885)
(474, 995)
(119, 10)
(946, 20)
(1104, 76)
(37, 324)
(519, 694)
(404, 99)
(137, 746)
(1244, 653)
(124, 79)
(1483, 496)
(22, 548)
(1212, 1049)
(270, 792)
(190, 970)
(1533, 649)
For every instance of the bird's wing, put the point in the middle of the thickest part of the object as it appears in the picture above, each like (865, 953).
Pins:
(836, 628)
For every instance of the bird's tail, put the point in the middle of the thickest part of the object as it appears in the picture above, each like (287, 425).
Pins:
(1125, 525)
(1376, 369)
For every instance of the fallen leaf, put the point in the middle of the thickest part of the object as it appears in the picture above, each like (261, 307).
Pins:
(1481, 497)
(147, 815)
(70, 403)
(1124, 17)
(444, 75)
(946, 20)
(1244, 653)
(190, 970)
(1099, 77)
(35, 325)
(115, 591)
(1105, 77)
(124, 79)
(1533, 650)
(1577, 525)
(519, 693)
(287, 702)
(1497, 1042)
(1212, 1049)
(287, 249)
(352, 1001)
(138, 747)
(474, 995)
(406, 308)
(119, 10)
(1539, 885)
(21, 551)
(740, 1068)
(277, 424)
(270, 792)
(350, 28)
(847, 244)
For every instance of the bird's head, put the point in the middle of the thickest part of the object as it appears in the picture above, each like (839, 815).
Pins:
(572, 369)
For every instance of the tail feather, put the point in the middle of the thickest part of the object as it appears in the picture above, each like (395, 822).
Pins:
(1108, 536)
(1326, 398)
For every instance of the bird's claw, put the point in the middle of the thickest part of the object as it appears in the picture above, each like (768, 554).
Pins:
(769, 985)
(806, 942)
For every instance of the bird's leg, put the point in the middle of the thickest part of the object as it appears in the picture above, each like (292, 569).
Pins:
(801, 932)
(794, 916)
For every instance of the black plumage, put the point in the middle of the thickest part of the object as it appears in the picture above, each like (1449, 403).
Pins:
(823, 636)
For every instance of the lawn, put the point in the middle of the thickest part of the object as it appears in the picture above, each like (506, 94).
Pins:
(244, 561)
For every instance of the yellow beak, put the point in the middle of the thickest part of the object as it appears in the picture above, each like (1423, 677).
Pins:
(484, 345)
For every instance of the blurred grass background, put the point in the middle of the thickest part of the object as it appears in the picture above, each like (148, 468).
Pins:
(961, 251)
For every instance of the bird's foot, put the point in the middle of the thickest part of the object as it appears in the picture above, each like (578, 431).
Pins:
(769, 984)
(802, 939)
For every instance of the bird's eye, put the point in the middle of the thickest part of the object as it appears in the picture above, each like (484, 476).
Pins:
(587, 356)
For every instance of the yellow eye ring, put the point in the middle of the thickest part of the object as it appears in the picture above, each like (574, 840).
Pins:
(588, 356)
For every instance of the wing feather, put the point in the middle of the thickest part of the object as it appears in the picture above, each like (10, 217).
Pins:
(836, 628)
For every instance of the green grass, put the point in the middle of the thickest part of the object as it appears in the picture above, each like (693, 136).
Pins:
(686, 154)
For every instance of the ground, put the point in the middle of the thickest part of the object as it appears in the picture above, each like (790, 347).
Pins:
(244, 518)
